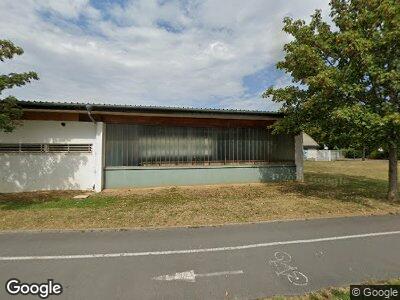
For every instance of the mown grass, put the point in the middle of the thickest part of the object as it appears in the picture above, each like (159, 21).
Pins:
(333, 293)
(342, 188)
(38, 203)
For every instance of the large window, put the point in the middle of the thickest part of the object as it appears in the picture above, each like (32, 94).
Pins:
(145, 145)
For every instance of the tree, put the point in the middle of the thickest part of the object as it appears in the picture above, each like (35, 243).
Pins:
(346, 77)
(10, 113)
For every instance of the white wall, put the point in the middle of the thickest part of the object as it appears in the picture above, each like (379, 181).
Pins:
(49, 171)
(310, 154)
(323, 155)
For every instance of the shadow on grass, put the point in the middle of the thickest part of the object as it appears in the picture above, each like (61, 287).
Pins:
(340, 187)
(49, 200)
(64, 200)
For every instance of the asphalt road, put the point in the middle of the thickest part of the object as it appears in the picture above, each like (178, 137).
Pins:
(227, 262)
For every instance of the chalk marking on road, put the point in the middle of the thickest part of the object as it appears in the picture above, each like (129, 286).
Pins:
(283, 268)
(190, 276)
(194, 251)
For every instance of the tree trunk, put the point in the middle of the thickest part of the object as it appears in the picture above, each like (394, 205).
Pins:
(363, 154)
(393, 190)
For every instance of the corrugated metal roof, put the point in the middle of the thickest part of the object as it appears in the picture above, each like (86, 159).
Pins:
(139, 108)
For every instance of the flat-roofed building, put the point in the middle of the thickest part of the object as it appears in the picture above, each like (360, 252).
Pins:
(94, 146)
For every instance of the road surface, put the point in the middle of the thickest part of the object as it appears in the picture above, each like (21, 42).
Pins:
(227, 262)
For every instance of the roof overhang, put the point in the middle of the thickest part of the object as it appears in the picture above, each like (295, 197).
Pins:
(144, 114)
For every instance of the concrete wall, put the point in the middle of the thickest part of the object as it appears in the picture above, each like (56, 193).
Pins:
(50, 171)
(299, 157)
(120, 177)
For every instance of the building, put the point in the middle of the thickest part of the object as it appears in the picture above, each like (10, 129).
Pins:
(311, 151)
(309, 143)
(91, 147)
(310, 147)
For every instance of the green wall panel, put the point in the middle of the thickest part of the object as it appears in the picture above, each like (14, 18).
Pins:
(150, 177)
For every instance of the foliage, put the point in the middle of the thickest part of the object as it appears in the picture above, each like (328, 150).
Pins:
(349, 94)
(376, 154)
(10, 113)
(353, 153)
(384, 154)
(9, 110)
(346, 78)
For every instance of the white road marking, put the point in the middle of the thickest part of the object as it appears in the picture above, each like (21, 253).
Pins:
(282, 268)
(194, 251)
(190, 276)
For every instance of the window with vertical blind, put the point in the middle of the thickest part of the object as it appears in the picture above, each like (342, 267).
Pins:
(148, 145)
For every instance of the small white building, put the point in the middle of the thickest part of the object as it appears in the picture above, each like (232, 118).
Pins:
(312, 152)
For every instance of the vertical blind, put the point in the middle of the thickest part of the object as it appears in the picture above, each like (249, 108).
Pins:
(148, 145)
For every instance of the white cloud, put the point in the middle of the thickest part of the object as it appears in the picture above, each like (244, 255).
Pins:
(122, 54)
(69, 9)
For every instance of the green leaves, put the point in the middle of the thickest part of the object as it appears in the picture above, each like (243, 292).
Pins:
(346, 79)
(13, 79)
(10, 113)
(349, 78)
(8, 50)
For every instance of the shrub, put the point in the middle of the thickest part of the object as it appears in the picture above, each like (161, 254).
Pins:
(375, 154)
(353, 153)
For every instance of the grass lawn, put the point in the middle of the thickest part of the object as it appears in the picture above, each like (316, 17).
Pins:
(342, 188)
(333, 293)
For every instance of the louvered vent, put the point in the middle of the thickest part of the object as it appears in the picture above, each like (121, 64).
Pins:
(46, 148)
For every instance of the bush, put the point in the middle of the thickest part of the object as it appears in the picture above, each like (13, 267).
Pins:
(353, 153)
(375, 154)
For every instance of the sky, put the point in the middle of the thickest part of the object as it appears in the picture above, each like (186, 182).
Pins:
(186, 53)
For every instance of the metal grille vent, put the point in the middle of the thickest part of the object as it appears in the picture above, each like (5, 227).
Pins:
(46, 148)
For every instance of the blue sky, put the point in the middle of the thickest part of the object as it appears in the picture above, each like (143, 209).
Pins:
(209, 53)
